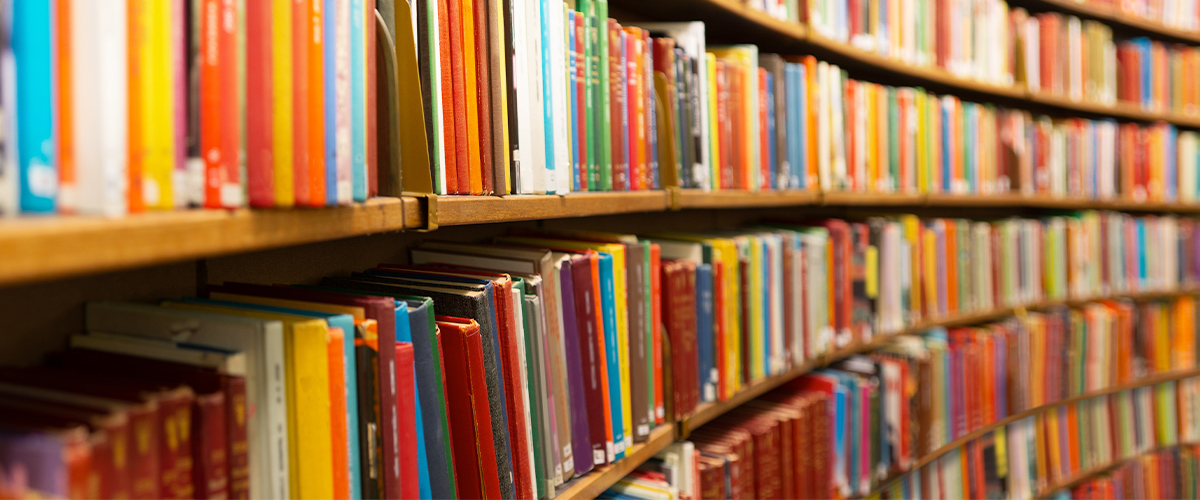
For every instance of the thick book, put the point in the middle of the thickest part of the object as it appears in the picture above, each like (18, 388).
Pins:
(467, 404)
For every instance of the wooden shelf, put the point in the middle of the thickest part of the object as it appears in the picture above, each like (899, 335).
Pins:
(595, 482)
(706, 412)
(460, 210)
(977, 433)
(44, 248)
(693, 199)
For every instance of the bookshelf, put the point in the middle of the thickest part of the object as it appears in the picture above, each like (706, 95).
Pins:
(37, 250)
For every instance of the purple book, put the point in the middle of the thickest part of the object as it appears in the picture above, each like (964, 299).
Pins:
(581, 438)
(34, 461)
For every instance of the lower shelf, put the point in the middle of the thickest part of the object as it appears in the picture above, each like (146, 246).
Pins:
(595, 482)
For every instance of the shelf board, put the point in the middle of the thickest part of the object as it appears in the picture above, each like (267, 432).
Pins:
(694, 199)
(872, 199)
(460, 210)
(595, 482)
(706, 412)
(43, 248)
(1080, 477)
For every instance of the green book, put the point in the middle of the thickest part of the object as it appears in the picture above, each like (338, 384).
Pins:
(648, 290)
(588, 9)
(603, 113)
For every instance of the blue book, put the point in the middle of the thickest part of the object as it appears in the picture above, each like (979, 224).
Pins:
(548, 91)
(802, 90)
(32, 43)
(608, 311)
(772, 144)
(350, 374)
(574, 100)
(1145, 47)
(329, 46)
(358, 103)
(404, 334)
(841, 456)
(435, 480)
(947, 141)
(704, 331)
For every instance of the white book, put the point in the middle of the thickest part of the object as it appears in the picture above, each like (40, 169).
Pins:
(558, 85)
(225, 361)
(99, 45)
(536, 182)
(522, 155)
(343, 138)
(266, 390)
(435, 76)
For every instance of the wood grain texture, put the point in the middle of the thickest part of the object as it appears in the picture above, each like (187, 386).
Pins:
(691, 198)
(459, 210)
(39, 249)
(595, 482)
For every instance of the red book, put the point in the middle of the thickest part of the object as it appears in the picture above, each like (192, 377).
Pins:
(260, 169)
(656, 331)
(449, 105)
(300, 95)
(635, 126)
(406, 418)
(220, 126)
(580, 90)
(458, 89)
(616, 89)
(589, 358)
(467, 408)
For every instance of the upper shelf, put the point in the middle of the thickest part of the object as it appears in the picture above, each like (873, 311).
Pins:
(731, 21)
(1112, 15)
(44, 248)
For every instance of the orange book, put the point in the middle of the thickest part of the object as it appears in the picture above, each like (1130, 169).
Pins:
(67, 197)
(810, 88)
(300, 103)
(337, 411)
(988, 348)
(458, 89)
(1052, 445)
(472, 95)
(1043, 460)
(137, 36)
(315, 105)
(1073, 463)
(951, 263)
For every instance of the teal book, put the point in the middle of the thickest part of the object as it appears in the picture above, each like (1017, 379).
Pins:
(608, 311)
(358, 104)
(350, 374)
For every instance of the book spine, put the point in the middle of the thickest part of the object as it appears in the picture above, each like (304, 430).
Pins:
(358, 86)
(260, 166)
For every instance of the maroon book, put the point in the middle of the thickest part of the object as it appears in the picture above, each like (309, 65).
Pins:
(679, 316)
(584, 280)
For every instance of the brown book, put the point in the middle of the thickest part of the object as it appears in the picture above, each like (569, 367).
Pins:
(735, 446)
(639, 372)
(774, 65)
(498, 73)
(788, 419)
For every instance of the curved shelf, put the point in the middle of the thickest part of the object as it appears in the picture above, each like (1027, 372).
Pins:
(733, 20)
(957, 443)
(1081, 476)
(595, 482)
(706, 412)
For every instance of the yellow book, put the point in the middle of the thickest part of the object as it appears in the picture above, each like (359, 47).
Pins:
(1052, 446)
(472, 94)
(713, 125)
(282, 146)
(306, 354)
(1184, 353)
(922, 111)
(154, 93)
(912, 234)
(1043, 466)
(621, 300)
(1162, 345)
(752, 249)
(929, 267)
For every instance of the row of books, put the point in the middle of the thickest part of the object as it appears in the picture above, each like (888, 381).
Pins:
(809, 441)
(1062, 55)
(1164, 474)
(965, 38)
(132, 105)
(1178, 14)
